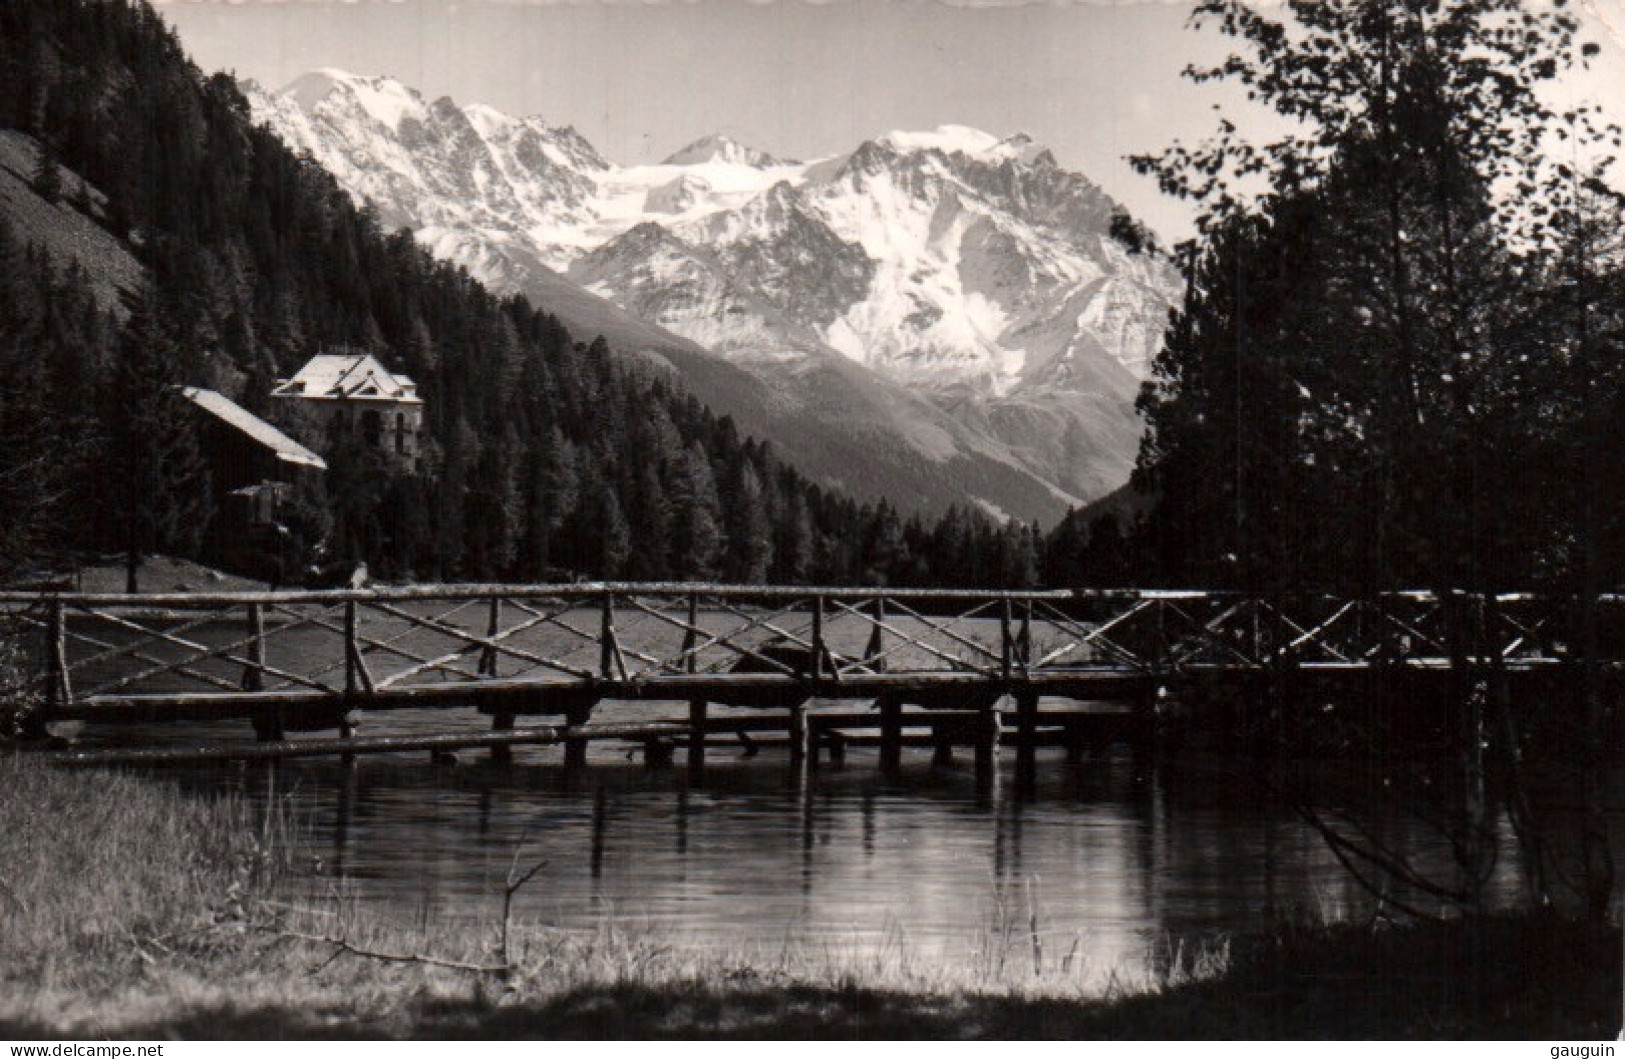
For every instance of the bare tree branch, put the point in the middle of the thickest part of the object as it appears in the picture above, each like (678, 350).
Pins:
(343, 946)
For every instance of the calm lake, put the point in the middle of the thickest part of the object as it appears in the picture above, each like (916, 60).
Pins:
(1113, 859)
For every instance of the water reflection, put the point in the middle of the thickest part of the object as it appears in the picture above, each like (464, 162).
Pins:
(1106, 855)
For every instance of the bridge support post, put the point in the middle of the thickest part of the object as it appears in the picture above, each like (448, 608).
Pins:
(269, 726)
(347, 731)
(1026, 737)
(58, 689)
(989, 728)
(1146, 729)
(696, 738)
(575, 750)
(891, 733)
(1077, 745)
(942, 736)
(501, 721)
(798, 733)
(696, 707)
(657, 752)
(254, 672)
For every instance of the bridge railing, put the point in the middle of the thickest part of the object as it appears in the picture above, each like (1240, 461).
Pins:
(369, 642)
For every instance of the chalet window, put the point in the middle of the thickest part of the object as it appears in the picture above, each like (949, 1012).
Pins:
(400, 433)
(372, 428)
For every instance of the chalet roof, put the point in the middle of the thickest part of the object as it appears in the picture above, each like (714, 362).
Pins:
(348, 377)
(235, 415)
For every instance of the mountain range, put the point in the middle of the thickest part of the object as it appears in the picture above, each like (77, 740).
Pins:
(934, 317)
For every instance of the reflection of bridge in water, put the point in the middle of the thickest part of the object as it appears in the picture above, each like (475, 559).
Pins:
(819, 669)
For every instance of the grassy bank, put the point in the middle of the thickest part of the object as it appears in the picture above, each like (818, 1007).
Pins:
(127, 910)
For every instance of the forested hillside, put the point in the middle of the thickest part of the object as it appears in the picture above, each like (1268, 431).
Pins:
(545, 457)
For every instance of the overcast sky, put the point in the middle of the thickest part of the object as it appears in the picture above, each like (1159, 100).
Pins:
(1094, 81)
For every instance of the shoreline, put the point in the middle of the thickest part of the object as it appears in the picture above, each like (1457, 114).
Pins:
(132, 912)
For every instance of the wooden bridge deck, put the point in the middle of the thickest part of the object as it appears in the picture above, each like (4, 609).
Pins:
(316, 660)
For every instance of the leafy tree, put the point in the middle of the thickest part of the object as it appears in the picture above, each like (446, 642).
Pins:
(1358, 389)
(1404, 120)
(1135, 237)
(1583, 317)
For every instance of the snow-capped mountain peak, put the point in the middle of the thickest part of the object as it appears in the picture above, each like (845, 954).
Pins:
(949, 139)
(1021, 148)
(972, 143)
(719, 148)
(383, 99)
(969, 269)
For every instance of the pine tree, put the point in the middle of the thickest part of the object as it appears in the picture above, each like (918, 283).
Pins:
(606, 537)
(884, 552)
(650, 526)
(31, 477)
(794, 541)
(47, 177)
(696, 516)
(494, 510)
(562, 486)
(1017, 556)
(750, 532)
(461, 454)
(158, 488)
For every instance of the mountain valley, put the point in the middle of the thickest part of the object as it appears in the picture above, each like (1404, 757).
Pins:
(933, 318)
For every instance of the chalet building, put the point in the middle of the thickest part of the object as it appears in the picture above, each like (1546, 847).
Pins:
(248, 458)
(254, 470)
(364, 398)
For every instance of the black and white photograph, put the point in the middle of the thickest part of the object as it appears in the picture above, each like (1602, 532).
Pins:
(1007, 520)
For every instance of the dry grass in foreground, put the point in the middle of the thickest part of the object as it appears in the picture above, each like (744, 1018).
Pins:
(127, 910)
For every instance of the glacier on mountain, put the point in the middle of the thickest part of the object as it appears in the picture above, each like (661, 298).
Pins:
(971, 269)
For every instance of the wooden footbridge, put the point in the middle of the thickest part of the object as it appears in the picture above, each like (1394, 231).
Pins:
(818, 669)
